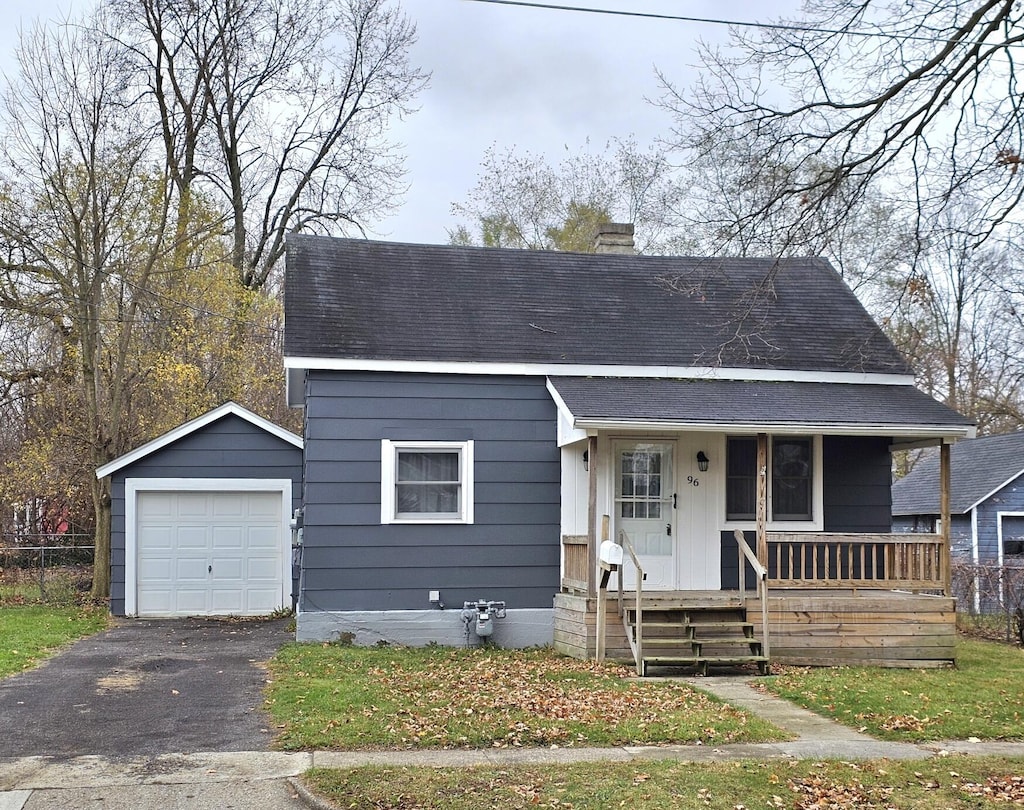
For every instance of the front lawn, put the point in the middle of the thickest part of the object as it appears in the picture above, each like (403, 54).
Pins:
(953, 782)
(982, 697)
(341, 697)
(31, 633)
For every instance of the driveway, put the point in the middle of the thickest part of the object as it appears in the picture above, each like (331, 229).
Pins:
(146, 687)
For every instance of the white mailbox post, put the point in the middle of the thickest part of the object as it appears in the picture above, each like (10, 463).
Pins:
(609, 559)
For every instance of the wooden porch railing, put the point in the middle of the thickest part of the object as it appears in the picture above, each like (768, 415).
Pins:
(576, 574)
(881, 561)
(638, 630)
(746, 556)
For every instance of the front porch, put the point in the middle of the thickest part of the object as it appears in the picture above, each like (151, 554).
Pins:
(824, 627)
(817, 599)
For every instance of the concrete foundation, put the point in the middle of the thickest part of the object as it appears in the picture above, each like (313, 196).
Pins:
(527, 627)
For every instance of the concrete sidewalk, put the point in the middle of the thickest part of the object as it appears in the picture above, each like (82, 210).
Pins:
(238, 779)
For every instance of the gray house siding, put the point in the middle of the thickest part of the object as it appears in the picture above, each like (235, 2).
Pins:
(228, 448)
(510, 553)
(1006, 501)
(856, 496)
(1009, 499)
(857, 484)
(961, 539)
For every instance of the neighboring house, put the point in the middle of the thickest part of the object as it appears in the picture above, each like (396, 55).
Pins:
(472, 415)
(986, 499)
(200, 519)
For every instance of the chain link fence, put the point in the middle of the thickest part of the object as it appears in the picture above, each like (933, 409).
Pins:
(52, 568)
(990, 597)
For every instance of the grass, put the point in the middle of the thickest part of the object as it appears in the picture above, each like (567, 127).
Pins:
(63, 586)
(342, 697)
(951, 782)
(29, 634)
(982, 697)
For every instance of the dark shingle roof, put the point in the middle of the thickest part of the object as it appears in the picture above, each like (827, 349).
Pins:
(734, 402)
(977, 468)
(360, 299)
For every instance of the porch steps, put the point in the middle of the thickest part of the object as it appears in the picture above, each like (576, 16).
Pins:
(699, 636)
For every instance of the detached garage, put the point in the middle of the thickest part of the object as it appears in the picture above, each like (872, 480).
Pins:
(200, 518)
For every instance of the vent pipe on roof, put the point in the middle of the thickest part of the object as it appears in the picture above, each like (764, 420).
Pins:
(614, 237)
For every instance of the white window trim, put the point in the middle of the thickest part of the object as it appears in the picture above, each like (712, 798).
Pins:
(817, 522)
(388, 463)
(999, 534)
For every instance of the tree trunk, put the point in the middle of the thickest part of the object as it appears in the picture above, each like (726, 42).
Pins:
(101, 559)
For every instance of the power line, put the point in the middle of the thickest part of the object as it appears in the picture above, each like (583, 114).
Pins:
(803, 29)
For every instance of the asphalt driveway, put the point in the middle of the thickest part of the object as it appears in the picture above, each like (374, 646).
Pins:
(146, 687)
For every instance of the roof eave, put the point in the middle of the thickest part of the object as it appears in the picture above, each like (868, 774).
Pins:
(192, 426)
(752, 374)
(938, 431)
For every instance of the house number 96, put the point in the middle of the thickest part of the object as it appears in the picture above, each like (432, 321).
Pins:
(693, 482)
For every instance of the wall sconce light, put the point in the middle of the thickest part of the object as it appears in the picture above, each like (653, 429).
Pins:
(702, 461)
(586, 460)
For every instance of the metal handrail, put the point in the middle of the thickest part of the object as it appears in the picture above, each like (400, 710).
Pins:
(638, 650)
(745, 551)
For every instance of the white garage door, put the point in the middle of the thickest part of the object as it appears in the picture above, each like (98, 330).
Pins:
(209, 553)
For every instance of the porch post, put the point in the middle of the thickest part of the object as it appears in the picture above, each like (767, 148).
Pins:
(944, 492)
(762, 499)
(593, 463)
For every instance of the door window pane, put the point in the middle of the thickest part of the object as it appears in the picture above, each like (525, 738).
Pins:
(640, 483)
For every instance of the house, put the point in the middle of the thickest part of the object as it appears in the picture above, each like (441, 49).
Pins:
(201, 518)
(986, 499)
(478, 420)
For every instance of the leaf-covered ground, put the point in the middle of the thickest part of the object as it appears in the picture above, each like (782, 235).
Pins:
(330, 696)
(982, 697)
(957, 783)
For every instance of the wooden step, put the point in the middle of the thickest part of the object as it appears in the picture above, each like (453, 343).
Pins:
(667, 641)
(745, 627)
(682, 660)
(662, 625)
(678, 632)
(753, 646)
(703, 662)
(723, 640)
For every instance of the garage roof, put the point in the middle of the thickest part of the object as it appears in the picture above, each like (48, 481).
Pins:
(228, 408)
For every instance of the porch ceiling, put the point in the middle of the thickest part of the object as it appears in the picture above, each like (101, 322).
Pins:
(899, 411)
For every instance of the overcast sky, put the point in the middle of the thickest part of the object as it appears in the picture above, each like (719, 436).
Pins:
(539, 80)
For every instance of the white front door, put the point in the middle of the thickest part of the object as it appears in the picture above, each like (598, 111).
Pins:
(644, 494)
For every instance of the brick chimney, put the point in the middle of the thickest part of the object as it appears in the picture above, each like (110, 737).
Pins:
(614, 237)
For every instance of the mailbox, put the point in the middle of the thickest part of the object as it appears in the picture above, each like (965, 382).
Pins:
(610, 554)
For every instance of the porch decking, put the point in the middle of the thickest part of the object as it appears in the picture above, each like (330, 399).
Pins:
(825, 627)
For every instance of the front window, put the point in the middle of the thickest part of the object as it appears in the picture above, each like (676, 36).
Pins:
(741, 478)
(791, 478)
(426, 482)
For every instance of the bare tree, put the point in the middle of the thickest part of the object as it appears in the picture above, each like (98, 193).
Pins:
(278, 110)
(867, 237)
(82, 224)
(954, 323)
(921, 97)
(522, 201)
